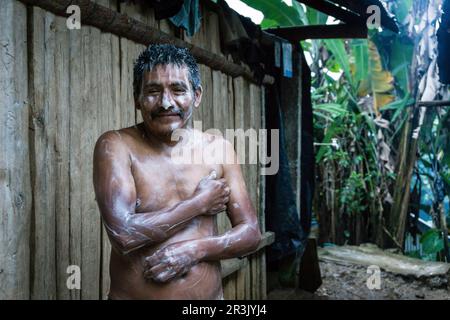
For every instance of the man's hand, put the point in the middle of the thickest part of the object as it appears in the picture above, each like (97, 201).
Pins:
(213, 193)
(172, 261)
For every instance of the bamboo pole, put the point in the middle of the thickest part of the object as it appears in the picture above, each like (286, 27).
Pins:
(120, 24)
(434, 103)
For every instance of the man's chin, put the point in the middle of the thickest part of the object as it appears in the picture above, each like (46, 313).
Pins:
(167, 128)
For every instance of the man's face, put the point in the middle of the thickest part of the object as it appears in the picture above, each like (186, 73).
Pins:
(167, 99)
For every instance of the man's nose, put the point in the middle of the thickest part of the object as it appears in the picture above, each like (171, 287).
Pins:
(167, 101)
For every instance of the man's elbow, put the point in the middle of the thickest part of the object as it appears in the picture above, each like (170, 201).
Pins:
(124, 244)
(253, 236)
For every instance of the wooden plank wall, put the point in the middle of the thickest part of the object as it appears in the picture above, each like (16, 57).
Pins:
(79, 86)
(15, 178)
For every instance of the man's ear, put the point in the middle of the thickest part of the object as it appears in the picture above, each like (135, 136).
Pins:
(198, 96)
(137, 104)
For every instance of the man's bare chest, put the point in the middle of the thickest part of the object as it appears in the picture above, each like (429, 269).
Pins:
(162, 183)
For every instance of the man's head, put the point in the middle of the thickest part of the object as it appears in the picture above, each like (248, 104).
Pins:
(166, 87)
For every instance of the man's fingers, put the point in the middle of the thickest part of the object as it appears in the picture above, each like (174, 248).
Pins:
(151, 261)
(165, 276)
(212, 175)
(161, 273)
(152, 273)
(218, 209)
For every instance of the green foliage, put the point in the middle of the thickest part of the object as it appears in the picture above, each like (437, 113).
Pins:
(361, 64)
(432, 241)
(276, 13)
(353, 195)
(315, 17)
(337, 47)
(379, 82)
(397, 55)
(363, 109)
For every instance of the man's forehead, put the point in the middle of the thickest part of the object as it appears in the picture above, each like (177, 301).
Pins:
(167, 72)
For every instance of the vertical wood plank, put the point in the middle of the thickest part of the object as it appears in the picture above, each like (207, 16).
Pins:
(90, 222)
(129, 52)
(15, 184)
(76, 65)
(262, 203)
(252, 122)
(108, 119)
(207, 100)
(62, 150)
(239, 103)
(211, 23)
(230, 281)
(43, 122)
(246, 115)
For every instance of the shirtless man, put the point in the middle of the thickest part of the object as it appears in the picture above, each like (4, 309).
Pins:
(159, 214)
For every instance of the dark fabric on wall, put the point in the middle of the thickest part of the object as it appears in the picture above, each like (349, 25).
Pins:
(281, 210)
(165, 9)
(291, 232)
(307, 155)
(240, 38)
(189, 17)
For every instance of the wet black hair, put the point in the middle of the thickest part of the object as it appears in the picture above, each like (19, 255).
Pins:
(164, 54)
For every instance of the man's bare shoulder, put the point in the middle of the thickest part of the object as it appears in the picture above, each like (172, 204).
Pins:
(119, 138)
(115, 142)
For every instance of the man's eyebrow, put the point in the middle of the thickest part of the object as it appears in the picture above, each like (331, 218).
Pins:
(152, 84)
(179, 83)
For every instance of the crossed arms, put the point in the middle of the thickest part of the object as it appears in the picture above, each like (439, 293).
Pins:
(116, 197)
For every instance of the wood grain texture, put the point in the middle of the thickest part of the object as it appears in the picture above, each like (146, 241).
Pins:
(78, 86)
(43, 158)
(15, 178)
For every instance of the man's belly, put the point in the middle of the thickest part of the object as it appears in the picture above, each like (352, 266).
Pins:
(203, 281)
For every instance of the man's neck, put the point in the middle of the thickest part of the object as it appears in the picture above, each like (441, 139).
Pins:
(166, 141)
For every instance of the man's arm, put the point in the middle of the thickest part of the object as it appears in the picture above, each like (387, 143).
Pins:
(244, 237)
(116, 197)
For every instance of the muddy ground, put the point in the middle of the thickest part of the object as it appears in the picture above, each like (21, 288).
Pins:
(349, 282)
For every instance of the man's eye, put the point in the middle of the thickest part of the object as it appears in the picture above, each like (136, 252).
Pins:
(179, 90)
(153, 92)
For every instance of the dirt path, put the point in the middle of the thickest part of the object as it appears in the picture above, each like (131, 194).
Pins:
(348, 281)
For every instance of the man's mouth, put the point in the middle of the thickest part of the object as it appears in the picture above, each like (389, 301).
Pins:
(168, 114)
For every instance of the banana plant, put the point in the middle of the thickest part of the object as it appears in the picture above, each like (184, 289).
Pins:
(378, 81)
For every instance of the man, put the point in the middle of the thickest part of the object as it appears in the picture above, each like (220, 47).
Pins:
(159, 214)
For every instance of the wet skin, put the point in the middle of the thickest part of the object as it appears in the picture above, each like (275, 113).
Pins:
(159, 214)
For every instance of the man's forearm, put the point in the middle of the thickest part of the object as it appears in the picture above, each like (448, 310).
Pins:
(240, 240)
(141, 229)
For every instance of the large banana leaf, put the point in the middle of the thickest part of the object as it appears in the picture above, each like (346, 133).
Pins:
(328, 111)
(360, 67)
(337, 47)
(379, 82)
(315, 17)
(276, 13)
(400, 58)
